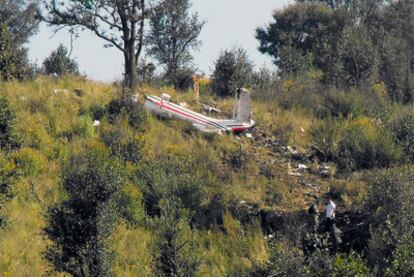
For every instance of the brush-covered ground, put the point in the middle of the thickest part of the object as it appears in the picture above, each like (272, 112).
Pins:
(229, 185)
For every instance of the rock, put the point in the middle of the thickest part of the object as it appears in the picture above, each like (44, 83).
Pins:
(79, 92)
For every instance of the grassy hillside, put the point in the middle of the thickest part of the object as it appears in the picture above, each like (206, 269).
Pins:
(230, 187)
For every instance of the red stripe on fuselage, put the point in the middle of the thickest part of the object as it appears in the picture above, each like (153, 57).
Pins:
(215, 125)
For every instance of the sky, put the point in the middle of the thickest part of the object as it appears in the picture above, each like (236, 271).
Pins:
(229, 23)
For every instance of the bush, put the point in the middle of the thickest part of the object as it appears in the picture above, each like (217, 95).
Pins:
(343, 104)
(283, 261)
(123, 142)
(80, 225)
(83, 127)
(7, 178)
(233, 70)
(175, 254)
(126, 107)
(402, 127)
(59, 62)
(355, 144)
(389, 211)
(7, 119)
(169, 178)
(97, 112)
(403, 263)
(30, 162)
(351, 265)
(365, 145)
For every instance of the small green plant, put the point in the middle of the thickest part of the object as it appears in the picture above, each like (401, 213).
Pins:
(30, 162)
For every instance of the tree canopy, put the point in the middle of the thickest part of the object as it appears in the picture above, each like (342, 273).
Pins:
(173, 34)
(119, 23)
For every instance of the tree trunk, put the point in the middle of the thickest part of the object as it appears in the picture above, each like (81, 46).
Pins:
(130, 66)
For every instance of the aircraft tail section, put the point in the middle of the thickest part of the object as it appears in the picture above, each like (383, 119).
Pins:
(243, 108)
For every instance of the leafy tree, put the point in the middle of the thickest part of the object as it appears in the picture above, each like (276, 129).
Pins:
(79, 226)
(60, 63)
(20, 18)
(326, 37)
(304, 28)
(358, 56)
(119, 23)
(146, 72)
(17, 23)
(233, 69)
(397, 50)
(14, 63)
(173, 34)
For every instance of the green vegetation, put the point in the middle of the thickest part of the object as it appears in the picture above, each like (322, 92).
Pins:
(93, 185)
(60, 63)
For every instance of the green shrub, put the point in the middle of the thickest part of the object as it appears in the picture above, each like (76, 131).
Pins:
(351, 265)
(30, 162)
(283, 261)
(7, 120)
(325, 136)
(83, 127)
(129, 201)
(168, 178)
(123, 142)
(175, 253)
(343, 104)
(402, 127)
(80, 225)
(403, 263)
(97, 112)
(389, 212)
(364, 145)
(126, 108)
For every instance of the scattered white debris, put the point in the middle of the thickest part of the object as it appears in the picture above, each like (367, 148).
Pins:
(134, 98)
(302, 130)
(59, 91)
(242, 202)
(96, 123)
(208, 108)
(302, 167)
(184, 104)
(23, 98)
(291, 150)
(249, 135)
(292, 172)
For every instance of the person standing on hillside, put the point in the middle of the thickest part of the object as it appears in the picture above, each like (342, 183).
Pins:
(330, 211)
(330, 227)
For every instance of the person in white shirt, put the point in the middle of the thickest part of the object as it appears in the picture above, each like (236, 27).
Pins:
(330, 209)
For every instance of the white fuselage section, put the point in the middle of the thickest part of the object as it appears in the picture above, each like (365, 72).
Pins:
(166, 108)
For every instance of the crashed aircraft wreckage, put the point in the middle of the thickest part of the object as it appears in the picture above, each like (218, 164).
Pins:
(241, 121)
